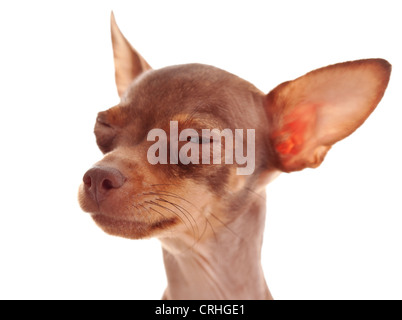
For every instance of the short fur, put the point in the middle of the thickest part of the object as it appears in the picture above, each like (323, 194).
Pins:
(209, 219)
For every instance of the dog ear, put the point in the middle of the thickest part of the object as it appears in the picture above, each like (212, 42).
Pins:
(128, 63)
(308, 115)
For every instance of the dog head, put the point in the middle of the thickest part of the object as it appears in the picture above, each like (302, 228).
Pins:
(164, 174)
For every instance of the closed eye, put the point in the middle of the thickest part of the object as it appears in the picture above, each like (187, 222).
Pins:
(105, 135)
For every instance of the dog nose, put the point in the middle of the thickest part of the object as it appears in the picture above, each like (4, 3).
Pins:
(99, 181)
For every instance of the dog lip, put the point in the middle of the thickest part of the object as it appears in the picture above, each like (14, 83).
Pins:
(119, 219)
(132, 229)
(114, 219)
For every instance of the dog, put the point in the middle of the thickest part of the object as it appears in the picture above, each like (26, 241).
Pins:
(209, 213)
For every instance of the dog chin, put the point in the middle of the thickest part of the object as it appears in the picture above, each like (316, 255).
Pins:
(131, 229)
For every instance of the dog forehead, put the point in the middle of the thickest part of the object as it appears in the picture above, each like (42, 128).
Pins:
(186, 88)
(190, 75)
(180, 83)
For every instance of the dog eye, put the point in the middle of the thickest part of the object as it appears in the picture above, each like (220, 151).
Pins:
(199, 140)
(105, 136)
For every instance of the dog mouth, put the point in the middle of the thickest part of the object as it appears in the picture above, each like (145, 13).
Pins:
(129, 228)
(143, 215)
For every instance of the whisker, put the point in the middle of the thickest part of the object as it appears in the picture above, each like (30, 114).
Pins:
(171, 194)
(157, 204)
(164, 184)
(162, 193)
(178, 207)
(158, 212)
(150, 212)
(176, 196)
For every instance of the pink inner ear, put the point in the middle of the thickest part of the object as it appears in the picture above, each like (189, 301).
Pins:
(296, 129)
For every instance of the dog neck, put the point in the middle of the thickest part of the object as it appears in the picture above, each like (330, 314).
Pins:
(226, 264)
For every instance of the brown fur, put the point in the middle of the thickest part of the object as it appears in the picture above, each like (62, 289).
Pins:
(210, 220)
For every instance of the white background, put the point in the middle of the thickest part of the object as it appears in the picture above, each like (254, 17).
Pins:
(332, 233)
